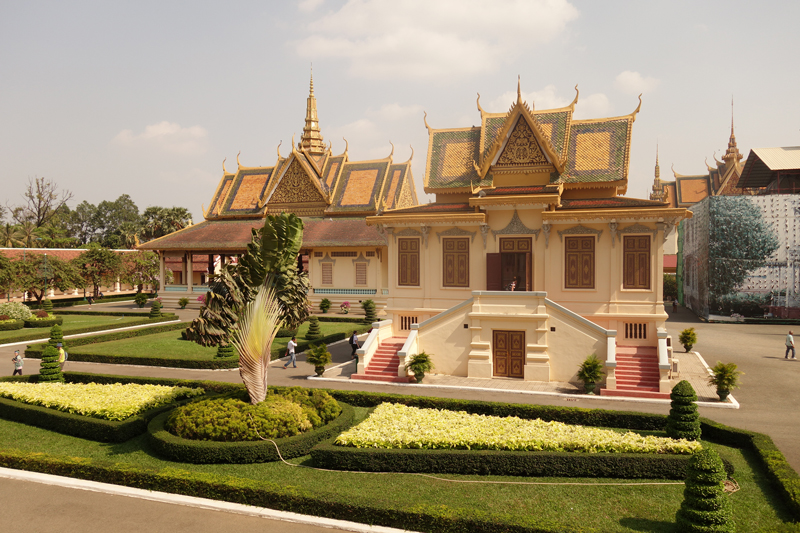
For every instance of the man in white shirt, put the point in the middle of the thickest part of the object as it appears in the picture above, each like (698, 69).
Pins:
(789, 345)
(290, 348)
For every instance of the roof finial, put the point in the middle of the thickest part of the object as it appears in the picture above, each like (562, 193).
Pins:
(479, 104)
(237, 158)
(311, 85)
(732, 155)
(412, 154)
(577, 93)
(223, 166)
(638, 108)
(391, 154)
(519, 90)
(311, 141)
(346, 145)
(279, 149)
(425, 119)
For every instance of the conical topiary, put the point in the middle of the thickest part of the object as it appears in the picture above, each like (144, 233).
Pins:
(683, 421)
(370, 313)
(225, 350)
(56, 336)
(47, 305)
(705, 508)
(313, 328)
(49, 369)
(155, 309)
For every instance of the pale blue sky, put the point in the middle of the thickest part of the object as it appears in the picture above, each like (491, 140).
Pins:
(147, 98)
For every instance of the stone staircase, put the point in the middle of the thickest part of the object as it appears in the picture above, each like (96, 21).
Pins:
(637, 373)
(384, 363)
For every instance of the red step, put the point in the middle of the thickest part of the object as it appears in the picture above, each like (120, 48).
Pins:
(637, 373)
(383, 364)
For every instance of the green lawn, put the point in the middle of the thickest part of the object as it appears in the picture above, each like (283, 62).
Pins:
(169, 344)
(73, 323)
(581, 503)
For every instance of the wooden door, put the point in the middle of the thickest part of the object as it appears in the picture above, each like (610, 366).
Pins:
(508, 353)
(493, 273)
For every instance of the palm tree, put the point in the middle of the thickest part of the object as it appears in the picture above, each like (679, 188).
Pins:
(29, 235)
(10, 236)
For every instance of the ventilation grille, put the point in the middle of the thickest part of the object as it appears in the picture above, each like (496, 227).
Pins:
(406, 321)
(635, 331)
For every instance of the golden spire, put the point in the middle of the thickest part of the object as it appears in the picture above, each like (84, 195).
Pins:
(519, 90)
(732, 155)
(311, 140)
(658, 189)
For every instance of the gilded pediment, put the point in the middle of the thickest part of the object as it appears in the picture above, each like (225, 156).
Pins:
(522, 149)
(296, 186)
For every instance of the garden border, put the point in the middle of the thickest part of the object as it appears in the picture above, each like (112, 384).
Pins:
(89, 329)
(174, 448)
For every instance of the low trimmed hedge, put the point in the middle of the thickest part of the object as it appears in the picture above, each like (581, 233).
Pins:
(88, 329)
(35, 351)
(174, 448)
(279, 496)
(81, 426)
(132, 312)
(48, 322)
(11, 325)
(329, 318)
(277, 353)
(80, 300)
(503, 462)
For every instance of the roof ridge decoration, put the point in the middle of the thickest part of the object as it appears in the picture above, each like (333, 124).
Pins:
(535, 149)
(311, 141)
(580, 229)
(516, 227)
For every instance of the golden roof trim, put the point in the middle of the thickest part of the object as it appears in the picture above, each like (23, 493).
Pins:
(618, 213)
(549, 199)
(410, 218)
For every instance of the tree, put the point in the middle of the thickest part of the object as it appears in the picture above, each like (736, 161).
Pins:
(111, 216)
(81, 223)
(739, 241)
(98, 266)
(705, 507)
(10, 236)
(271, 259)
(28, 234)
(8, 275)
(42, 202)
(683, 421)
(159, 221)
(670, 287)
(142, 268)
(34, 276)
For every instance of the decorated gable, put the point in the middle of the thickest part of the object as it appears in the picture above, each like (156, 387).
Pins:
(294, 188)
(521, 150)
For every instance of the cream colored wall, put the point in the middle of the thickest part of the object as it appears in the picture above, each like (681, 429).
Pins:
(448, 342)
(569, 345)
(344, 278)
(608, 304)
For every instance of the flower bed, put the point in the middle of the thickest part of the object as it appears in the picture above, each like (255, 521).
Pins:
(110, 402)
(400, 426)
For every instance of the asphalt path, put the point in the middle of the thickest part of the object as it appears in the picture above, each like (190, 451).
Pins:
(767, 397)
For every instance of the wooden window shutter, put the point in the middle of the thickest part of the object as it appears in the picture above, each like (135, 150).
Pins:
(455, 262)
(327, 273)
(408, 262)
(636, 262)
(361, 273)
(579, 262)
(528, 271)
(493, 272)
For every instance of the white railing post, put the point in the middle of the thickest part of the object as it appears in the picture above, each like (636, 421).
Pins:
(380, 331)
(611, 359)
(663, 361)
(410, 348)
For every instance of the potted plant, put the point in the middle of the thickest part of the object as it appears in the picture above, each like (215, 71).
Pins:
(319, 356)
(345, 307)
(724, 376)
(183, 302)
(419, 364)
(324, 305)
(590, 372)
(688, 338)
(140, 299)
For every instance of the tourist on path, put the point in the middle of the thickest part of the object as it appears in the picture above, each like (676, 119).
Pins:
(18, 362)
(354, 344)
(789, 345)
(290, 348)
(62, 356)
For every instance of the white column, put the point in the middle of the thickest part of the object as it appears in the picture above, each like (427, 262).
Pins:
(116, 285)
(189, 272)
(161, 271)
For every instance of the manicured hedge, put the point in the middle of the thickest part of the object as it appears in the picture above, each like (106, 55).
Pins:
(80, 300)
(279, 496)
(502, 463)
(43, 322)
(35, 351)
(81, 426)
(11, 325)
(22, 337)
(277, 353)
(329, 318)
(183, 450)
(132, 312)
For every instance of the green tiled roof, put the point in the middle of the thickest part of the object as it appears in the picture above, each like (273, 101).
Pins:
(354, 195)
(451, 158)
(603, 154)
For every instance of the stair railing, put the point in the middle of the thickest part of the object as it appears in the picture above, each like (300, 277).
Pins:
(380, 332)
(410, 348)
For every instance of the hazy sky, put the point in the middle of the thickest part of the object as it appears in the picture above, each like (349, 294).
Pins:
(147, 98)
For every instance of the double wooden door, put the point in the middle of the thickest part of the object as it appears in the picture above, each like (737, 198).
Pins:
(508, 353)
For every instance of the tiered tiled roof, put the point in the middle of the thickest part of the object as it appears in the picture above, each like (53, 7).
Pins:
(607, 203)
(572, 151)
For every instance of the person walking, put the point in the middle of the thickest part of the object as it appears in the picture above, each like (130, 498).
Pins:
(789, 345)
(62, 356)
(18, 362)
(354, 344)
(290, 349)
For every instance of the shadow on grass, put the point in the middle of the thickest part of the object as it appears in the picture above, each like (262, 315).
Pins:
(644, 524)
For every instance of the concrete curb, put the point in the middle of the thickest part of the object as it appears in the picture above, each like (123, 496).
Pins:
(191, 501)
